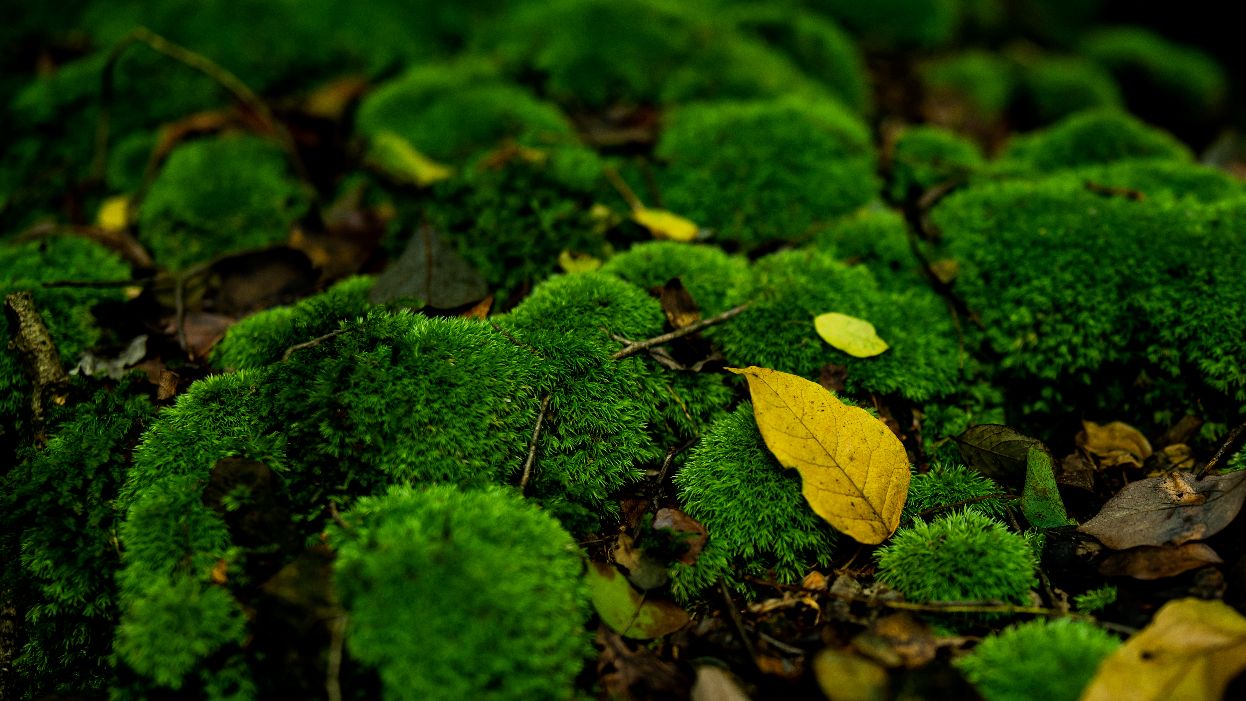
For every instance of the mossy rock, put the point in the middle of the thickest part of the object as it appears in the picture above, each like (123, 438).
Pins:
(757, 172)
(217, 196)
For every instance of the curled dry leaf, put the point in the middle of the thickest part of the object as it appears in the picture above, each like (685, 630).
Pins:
(1114, 444)
(1169, 510)
(854, 471)
(642, 570)
(997, 451)
(1149, 562)
(856, 337)
(1190, 651)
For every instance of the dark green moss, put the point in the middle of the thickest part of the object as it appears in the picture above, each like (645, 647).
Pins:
(952, 487)
(218, 196)
(987, 80)
(1088, 138)
(896, 23)
(925, 156)
(1040, 660)
(1158, 73)
(763, 171)
(1054, 87)
(455, 594)
(707, 272)
(758, 521)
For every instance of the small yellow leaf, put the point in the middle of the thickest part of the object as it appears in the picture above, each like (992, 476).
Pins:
(1191, 651)
(114, 213)
(854, 336)
(666, 225)
(397, 157)
(572, 262)
(854, 470)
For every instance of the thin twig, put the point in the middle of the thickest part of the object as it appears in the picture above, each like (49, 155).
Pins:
(536, 435)
(625, 192)
(1225, 449)
(337, 518)
(736, 621)
(333, 673)
(637, 346)
(309, 344)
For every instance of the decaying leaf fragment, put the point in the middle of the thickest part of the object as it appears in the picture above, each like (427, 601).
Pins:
(430, 271)
(626, 611)
(666, 225)
(1169, 510)
(1149, 562)
(856, 337)
(997, 451)
(854, 471)
(1190, 651)
(1114, 444)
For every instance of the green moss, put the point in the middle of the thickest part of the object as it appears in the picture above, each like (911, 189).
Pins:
(817, 46)
(1162, 179)
(263, 338)
(219, 196)
(765, 171)
(707, 272)
(964, 556)
(597, 52)
(758, 521)
(987, 80)
(456, 594)
(1088, 138)
(953, 487)
(793, 287)
(1057, 86)
(895, 24)
(1096, 599)
(1047, 660)
(1154, 71)
(925, 156)
(57, 542)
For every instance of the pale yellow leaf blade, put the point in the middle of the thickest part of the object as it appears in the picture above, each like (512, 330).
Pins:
(856, 337)
(402, 161)
(666, 225)
(573, 262)
(854, 471)
(1190, 652)
(114, 213)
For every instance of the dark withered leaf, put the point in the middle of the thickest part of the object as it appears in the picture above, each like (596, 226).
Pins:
(1150, 562)
(677, 303)
(1169, 510)
(997, 451)
(430, 271)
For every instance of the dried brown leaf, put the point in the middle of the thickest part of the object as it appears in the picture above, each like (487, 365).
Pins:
(1150, 562)
(1114, 444)
(997, 451)
(677, 303)
(1169, 510)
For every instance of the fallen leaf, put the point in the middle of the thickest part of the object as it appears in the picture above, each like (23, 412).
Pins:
(397, 158)
(331, 100)
(1114, 444)
(716, 684)
(854, 336)
(92, 365)
(1178, 456)
(997, 451)
(898, 640)
(1150, 562)
(114, 213)
(642, 570)
(666, 225)
(628, 674)
(1191, 651)
(1169, 510)
(430, 271)
(945, 270)
(844, 676)
(1076, 471)
(1040, 498)
(854, 471)
(247, 282)
(202, 331)
(677, 303)
(626, 611)
(480, 310)
(684, 527)
(572, 262)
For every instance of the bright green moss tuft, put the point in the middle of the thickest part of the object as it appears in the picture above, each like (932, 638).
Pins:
(1157, 73)
(952, 487)
(765, 171)
(1096, 599)
(219, 196)
(793, 287)
(1040, 660)
(1095, 137)
(964, 556)
(1057, 86)
(758, 521)
(925, 156)
(455, 594)
(987, 80)
(895, 24)
(263, 338)
(707, 272)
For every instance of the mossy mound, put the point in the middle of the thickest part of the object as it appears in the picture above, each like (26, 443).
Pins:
(951, 487)
(707, 272)
(459, 595)
(926, 156)
(894, 24)
(1161, 79)
(875, 237)
(1041, 660)
(1090, 138)
(1053, 87)
(765, 171)
(758, 521)
(988, 81)
(218, 196)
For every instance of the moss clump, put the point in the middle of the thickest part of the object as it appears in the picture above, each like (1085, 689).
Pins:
(876, 237)
(986, 80)
(952, 487)
(219, 196)
(1040, 660)
(263, 338)
(1096, 599)
(896, 23)
(765, 171)
(597, 52)
(707, 272)
(925, 156)
(1094, 137)
(1159, 77)
(964, 556)
(758, 521)
(817, 46)
(1054, 87)
(455, 594)
(57, 522)
(793, 287)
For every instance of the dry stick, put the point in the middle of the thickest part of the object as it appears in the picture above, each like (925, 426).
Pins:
(736, 621)
(637, 346)
(536, 435)
(333, 678)
(309, 344)
(38, 351)
(625, 192)
(1225, 449)
(199, 62)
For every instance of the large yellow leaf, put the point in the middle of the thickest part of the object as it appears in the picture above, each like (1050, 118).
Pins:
(854, 470)
(1190, 652)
